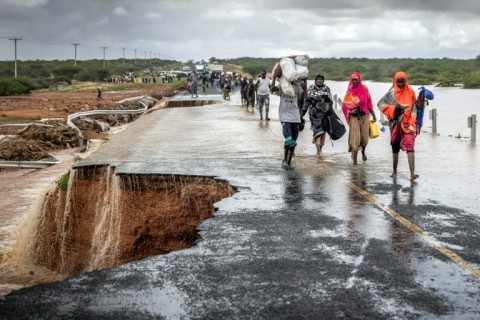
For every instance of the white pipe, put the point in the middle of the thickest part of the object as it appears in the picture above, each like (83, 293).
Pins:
(27, 164)
(98, 112)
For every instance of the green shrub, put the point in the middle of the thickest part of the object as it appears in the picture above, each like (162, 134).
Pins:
(15, 86)
(420, 79)
(66, 72)
(7, 72)
(62, 182)
(41, 83)
(85, 75)
(102, 74)
(62, 79)
(473, 81)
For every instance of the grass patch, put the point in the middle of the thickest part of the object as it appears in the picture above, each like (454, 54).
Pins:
(62, 182)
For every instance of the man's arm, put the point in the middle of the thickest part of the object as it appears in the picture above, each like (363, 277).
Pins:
(256, 84)
(274, 79)
(305, 92)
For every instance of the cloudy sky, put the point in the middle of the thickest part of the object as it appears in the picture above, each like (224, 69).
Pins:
(199, 29)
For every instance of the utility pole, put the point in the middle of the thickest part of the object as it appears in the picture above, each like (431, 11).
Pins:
(135, 56)
(123, 56)
(75, 61)
(150, 61)
(145, 60)
(15, 40)
(104, 56)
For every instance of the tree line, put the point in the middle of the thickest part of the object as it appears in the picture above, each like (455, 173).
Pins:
(36, 74)
(442, 72)
(39, 74)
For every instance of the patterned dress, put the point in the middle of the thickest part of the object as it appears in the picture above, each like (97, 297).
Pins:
(319, 101)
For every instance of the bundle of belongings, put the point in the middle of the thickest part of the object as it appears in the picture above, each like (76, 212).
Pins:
(290, 69)
(424, 95)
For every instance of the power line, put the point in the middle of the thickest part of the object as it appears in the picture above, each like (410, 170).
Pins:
(45, 42)
(104, 56)
(48, 43)
(75, 61)
(15, 40)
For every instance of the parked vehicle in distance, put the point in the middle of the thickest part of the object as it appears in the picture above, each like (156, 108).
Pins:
(217, 68)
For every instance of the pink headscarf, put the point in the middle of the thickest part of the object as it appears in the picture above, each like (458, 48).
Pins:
(358, 91)
(356, 97)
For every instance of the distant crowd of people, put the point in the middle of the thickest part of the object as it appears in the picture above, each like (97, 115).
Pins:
(145, 78)
(225, 81)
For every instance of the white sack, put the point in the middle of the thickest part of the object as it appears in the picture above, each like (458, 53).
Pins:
(286, 87)
(302, 60)
(288, 69)
(302, 72)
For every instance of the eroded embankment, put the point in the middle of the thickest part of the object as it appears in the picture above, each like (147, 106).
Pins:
(103, 219)
(189, 103)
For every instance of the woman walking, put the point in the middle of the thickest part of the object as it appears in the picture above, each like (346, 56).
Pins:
(356, 106)
(319, 101)
(398, 105)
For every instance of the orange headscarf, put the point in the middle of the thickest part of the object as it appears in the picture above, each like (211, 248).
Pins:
(403, 96)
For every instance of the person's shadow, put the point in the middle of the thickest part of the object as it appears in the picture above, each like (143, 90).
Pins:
(293, 191)
(263, 124)
(355, 218)
(401, 237)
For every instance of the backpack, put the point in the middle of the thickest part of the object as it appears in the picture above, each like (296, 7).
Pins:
(334, 126)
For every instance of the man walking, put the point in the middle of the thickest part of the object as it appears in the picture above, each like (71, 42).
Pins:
(289, 115)
(243, 86)
(250, 94)
(99, 94)
(194, 83)
(263, 94)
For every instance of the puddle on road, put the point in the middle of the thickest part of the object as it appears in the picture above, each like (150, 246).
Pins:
(101, 220)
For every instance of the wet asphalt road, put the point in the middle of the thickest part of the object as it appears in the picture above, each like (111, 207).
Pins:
(327, 240)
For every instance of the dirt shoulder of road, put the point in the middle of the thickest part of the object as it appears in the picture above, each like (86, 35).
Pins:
(23, 189)
(49, 109)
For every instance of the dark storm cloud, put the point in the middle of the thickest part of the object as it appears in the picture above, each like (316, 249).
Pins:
(427, 6)
(188, 29)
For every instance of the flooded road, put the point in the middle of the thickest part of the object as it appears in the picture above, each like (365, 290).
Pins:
(327, 239)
